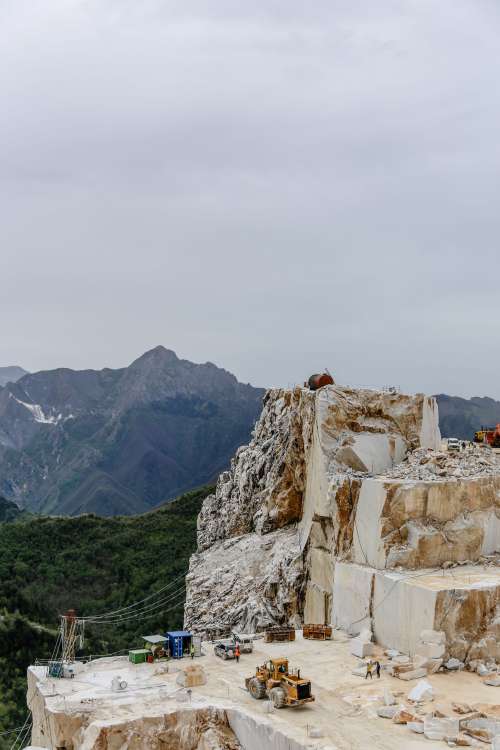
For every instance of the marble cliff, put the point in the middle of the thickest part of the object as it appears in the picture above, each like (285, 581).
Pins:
(343, 509)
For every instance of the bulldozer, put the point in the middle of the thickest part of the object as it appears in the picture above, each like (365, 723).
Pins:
(283, 687)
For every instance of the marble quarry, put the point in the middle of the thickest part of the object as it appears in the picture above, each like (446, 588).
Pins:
(347, 509)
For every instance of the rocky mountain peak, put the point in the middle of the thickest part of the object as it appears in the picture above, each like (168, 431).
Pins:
(11, 374)
(120, 441)
(159, 356)
(159, 373)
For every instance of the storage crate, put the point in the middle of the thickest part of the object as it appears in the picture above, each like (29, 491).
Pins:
(279, 633)
(179, 643)
(317, 632)
(138, 655)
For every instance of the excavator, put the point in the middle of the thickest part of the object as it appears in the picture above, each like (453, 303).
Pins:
(489, 435)
(283, 687)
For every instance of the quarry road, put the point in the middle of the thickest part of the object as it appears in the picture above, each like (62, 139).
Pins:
(344, 712)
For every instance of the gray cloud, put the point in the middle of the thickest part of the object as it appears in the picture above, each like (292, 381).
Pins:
(272, 186)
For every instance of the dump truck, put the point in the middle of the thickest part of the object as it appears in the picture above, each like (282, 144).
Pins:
(283, 687)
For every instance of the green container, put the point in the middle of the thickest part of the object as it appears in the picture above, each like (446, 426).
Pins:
(138, 655)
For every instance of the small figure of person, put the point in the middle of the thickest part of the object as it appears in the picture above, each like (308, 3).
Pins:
(377, 669)
(369, 670)
(191, 651)
(237, 652)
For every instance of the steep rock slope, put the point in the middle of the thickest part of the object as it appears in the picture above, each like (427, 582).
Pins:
(380, 517)
(268, 537)
(120, 441)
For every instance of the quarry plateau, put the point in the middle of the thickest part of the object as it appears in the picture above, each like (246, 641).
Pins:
(345, 509)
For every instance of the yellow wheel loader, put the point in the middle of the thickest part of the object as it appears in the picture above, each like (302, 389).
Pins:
(284, 688)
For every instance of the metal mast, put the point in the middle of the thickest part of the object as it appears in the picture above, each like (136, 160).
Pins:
(69, 632)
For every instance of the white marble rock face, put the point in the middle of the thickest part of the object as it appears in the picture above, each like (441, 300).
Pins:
(340, 499)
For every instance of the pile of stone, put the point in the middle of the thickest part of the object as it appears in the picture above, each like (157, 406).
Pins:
(428, 658)
(459, 725)
(462, 726)
(430, 465)
(430, 650)
(488, 671)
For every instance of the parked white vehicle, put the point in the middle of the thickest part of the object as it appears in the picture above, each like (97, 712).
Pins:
(453, 444)
(245, 642)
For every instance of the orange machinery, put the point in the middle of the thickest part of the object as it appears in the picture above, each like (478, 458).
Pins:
(489, 435)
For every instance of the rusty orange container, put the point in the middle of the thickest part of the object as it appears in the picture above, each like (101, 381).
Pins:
(319, 380)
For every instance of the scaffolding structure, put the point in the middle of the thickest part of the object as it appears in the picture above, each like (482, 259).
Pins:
(72, 636)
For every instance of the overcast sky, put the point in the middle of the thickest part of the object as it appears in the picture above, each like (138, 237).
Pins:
(272, 186)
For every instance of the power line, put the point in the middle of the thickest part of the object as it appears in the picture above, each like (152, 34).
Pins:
(138, 612)
(10, 731)
(144, 615)
(135, 604)
(25, 736)
(21, 732)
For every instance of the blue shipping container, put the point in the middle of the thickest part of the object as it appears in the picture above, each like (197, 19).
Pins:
(179, 643)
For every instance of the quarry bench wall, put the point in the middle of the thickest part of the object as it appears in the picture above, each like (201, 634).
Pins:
(339, 497)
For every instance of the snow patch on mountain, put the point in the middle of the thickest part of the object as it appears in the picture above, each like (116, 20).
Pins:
(38, 413)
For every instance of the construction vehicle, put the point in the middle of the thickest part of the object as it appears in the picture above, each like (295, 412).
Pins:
(284, 688)
(245, 642)
(225, 649)
(489, 436)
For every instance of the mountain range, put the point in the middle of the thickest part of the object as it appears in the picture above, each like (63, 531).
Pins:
(123, 441)
(120, 441)
(461, 417)
(10, 374)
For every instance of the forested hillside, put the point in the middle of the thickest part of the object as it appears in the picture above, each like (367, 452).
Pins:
(93, 565)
